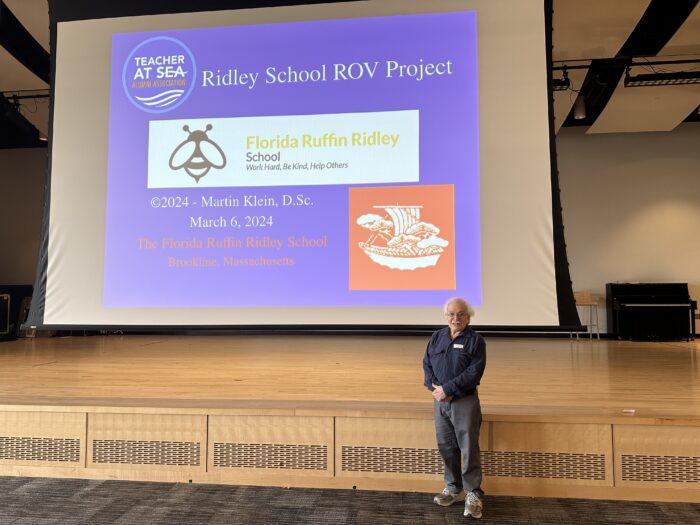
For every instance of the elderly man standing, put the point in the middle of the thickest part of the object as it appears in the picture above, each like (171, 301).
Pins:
(453, 364)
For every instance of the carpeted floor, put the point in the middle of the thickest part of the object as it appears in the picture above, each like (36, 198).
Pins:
(44, 501)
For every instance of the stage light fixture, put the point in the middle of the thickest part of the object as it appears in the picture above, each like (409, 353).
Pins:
(580, 108)
(662, 79)
(561, 84)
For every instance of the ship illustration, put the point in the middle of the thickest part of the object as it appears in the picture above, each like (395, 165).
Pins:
(400, 240)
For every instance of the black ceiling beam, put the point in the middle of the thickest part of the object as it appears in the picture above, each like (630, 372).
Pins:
(694, 115)
(67, 10)
(658, 24)
(22, 45)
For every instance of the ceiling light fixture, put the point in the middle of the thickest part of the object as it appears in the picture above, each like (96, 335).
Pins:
(580, 108)
(662, 79)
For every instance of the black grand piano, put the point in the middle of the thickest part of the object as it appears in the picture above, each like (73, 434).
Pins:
(650, 311)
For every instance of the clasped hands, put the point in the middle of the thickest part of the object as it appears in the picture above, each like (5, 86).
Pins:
(439, 393)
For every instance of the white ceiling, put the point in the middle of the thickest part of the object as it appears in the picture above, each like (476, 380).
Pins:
(597, 29)
(14, 76)
(594, 28)
(34, 16)
(686, 41)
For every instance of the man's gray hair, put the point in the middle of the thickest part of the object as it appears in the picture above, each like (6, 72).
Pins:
(462, 302)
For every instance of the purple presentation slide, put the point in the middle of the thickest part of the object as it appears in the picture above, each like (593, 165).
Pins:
(320, 163)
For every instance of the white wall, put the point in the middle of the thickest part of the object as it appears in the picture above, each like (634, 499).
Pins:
(22, 175)
(631, 207)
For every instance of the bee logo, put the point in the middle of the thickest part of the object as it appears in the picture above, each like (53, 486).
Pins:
(197, 154)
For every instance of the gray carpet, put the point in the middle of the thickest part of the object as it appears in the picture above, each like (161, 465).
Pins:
(44, 501)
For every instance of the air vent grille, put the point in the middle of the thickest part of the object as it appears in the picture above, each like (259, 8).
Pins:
(271, 455)
(673, 469)
(556, 465)
(65, 450)
(385, 459)
(172, 453)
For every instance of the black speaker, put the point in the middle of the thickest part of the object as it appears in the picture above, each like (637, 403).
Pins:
(4, 314)
(12, 314)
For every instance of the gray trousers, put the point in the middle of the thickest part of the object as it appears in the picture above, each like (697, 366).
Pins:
(457, 425)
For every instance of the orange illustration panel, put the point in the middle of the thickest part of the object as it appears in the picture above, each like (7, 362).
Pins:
(402, 238)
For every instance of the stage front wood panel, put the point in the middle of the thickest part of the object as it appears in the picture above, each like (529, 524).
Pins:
(663, 457)
(42, 438)
(274, 444)
(386, 448)
(576, 419)
(146, 442)
(561, 453)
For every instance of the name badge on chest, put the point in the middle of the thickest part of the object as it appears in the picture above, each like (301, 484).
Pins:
(458, 346)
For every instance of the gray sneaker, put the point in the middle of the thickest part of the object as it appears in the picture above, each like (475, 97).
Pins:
(473, 506)
(447, 498)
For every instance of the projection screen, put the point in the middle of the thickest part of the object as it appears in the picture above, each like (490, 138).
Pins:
(353, 163)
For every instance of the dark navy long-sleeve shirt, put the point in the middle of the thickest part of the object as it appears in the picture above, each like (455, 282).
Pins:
(455, 364)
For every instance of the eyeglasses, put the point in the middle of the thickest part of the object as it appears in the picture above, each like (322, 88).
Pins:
(458, 315)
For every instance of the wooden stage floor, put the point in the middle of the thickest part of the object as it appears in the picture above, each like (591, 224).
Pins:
(526, 376)
(587, 418)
